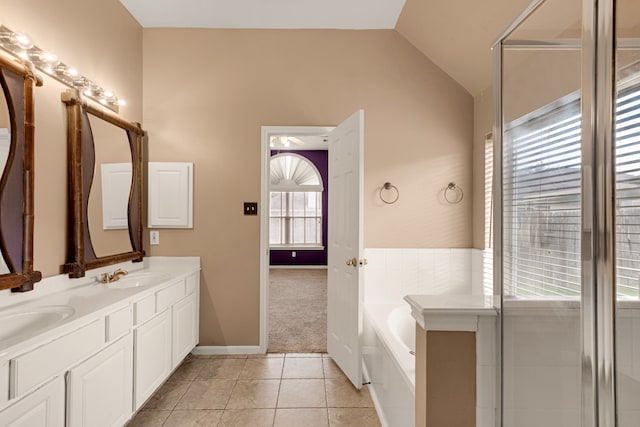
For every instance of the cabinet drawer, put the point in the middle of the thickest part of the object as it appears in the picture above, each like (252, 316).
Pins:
(45, 362)
(118, 323)
(167, 296)
(144, 309)
(191, 284)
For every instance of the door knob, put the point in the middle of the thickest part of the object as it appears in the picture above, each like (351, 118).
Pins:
(352, 262)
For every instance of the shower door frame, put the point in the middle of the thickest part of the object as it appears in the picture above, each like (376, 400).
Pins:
(598, 299)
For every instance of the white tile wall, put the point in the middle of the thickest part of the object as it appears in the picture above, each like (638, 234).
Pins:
(393, 273)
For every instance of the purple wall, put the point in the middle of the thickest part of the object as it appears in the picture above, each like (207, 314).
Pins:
(320, 159)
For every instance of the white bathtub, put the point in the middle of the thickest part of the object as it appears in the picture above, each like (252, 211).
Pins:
(388, 341)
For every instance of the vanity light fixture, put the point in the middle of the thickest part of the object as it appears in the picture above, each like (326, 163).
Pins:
(22, 46)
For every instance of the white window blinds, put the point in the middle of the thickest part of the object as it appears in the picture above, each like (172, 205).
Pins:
(541, 217)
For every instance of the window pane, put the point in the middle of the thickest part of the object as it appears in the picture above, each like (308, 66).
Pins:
(275, 231)
(298, 204)
(542, 203)
(298, 231)
(310, 227)
(628, 191)
(275, 206)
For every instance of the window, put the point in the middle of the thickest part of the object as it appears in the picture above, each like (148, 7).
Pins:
(295, 211)
(541, 199)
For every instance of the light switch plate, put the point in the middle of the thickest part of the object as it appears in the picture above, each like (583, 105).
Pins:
(155, 237)
(251, 208)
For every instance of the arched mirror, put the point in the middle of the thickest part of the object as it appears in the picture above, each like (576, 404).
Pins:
(105, 157)
(17, 80)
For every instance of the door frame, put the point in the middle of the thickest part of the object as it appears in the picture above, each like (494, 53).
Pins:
(265, 149)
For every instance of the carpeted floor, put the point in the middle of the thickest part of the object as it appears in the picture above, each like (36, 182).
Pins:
(297, 311)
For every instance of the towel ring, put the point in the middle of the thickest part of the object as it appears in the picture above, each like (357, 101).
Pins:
(452, 187)
(388, 186)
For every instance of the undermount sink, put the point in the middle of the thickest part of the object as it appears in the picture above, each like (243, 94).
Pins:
(138, 279)
(32, 320)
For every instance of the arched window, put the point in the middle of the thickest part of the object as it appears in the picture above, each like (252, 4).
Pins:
(295, 211)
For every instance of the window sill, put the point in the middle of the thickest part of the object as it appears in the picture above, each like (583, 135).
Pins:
(296, 248)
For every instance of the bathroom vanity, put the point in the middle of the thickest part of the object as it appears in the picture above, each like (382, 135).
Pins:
(78, 352)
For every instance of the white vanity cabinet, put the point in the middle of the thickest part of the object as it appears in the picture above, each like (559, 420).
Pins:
(152, 360)
(168, 333)
(44, 407)
(102, 368)
(100, 389)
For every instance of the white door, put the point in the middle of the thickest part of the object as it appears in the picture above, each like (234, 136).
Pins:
(344, 281)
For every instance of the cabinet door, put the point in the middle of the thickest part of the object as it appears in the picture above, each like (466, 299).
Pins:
(100, 390)
(42, 408)
(152, 356)
(184, 328)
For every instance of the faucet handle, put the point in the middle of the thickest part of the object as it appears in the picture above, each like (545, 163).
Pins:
(105, 278)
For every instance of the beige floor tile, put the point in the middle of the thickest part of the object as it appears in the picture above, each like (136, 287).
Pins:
(331, 370)
(167, 396)
(149, 418)
(228, 356)
(193, 418)
(342, 394)
(247, 418)
(265, 368)
(221, 369)
(262, 356)
(307, 417)
(303, 367)
(188, 370)
(353, 417)
(302, 393)
(207, 394)
(254, 394)
(304, 354)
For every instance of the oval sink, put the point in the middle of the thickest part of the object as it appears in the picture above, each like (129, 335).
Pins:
(32, 320)
(134, 280)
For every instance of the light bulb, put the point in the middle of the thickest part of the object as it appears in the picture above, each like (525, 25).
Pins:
(51, 58)
(73, 72)
(108, 94)
(22, 40)
(122, 102)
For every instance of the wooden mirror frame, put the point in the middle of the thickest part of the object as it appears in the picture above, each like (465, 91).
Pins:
(18, 80)
(81, 165)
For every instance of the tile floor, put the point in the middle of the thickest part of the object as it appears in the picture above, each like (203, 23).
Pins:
(274, 390)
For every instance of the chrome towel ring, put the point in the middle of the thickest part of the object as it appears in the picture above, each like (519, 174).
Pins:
(453, 194)
(390, 199)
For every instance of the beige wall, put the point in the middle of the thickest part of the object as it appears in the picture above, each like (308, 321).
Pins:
(104, 42)
(208, 92)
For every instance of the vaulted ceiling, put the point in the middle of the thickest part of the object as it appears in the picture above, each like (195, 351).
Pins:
(456, 35)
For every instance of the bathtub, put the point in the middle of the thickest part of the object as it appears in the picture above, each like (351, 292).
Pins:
(388, 344)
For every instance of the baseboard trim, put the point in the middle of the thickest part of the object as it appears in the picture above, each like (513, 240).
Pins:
(297, 267)
(205, 350)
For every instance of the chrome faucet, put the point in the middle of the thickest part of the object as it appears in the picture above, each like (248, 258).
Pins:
(113, 277)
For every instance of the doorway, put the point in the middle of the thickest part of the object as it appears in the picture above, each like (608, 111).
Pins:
(293, 275)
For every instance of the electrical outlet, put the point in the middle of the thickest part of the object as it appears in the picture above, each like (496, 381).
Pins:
(293, 254)
(155, 237)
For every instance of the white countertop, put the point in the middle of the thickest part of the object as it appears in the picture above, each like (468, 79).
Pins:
(450, 312)
(86, 297)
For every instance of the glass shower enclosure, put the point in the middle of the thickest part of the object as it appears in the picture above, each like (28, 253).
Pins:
(567, 214)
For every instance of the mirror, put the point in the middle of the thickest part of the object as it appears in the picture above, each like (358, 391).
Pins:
(17, 81)
(109, 195)
(105, 159)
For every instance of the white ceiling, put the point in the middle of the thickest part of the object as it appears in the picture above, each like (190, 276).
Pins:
(284, 14)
